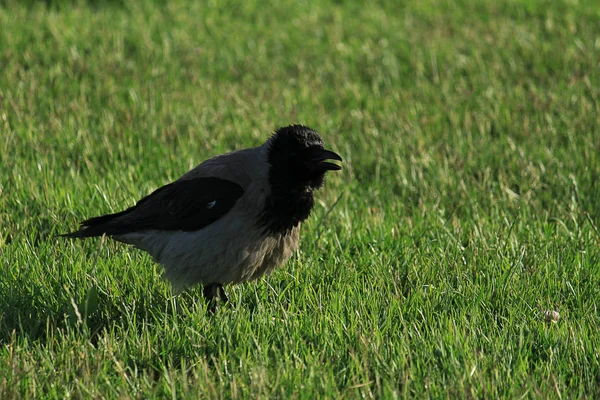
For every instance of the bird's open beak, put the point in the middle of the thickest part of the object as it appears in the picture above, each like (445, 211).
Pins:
(316, 160)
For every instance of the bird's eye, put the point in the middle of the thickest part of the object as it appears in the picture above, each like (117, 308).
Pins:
(211, 204)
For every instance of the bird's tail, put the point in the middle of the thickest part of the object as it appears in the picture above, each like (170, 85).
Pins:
(98, 226)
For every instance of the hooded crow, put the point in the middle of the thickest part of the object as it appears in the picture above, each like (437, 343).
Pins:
(233, 218)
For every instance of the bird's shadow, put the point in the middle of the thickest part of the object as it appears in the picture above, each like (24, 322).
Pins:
(93, 317)
(27, 312)
(25, 318)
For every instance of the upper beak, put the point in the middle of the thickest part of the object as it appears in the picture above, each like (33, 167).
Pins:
(315, 160)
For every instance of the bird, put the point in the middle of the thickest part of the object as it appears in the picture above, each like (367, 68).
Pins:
(233, 218)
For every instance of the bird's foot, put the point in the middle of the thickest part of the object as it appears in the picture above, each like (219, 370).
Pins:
(211, 292)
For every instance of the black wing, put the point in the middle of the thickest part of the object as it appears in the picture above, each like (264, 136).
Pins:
(186, 205)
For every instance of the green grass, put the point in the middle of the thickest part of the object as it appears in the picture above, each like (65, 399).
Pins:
(469, 203)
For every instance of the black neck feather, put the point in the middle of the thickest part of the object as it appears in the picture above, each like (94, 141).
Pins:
(292, 183)
(286, 208)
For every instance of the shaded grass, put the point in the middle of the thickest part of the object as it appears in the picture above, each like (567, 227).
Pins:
(469, 199)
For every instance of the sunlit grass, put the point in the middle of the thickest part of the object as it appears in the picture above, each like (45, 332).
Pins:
(469, 203)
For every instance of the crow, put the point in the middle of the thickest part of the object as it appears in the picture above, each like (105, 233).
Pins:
(231, 219)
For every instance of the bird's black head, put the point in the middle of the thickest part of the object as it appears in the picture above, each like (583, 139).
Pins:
(297, 157)
(298, 163)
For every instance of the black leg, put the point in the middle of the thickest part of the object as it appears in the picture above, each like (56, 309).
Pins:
(211, 292)
(222, 294)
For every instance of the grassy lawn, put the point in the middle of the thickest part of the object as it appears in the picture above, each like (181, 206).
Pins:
(469, 203)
